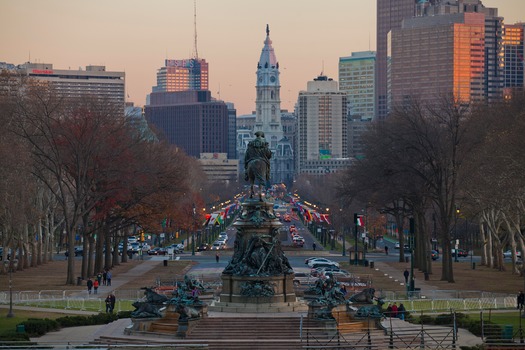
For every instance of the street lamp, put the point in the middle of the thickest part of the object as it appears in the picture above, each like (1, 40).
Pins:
(193, 232)
(10, 266)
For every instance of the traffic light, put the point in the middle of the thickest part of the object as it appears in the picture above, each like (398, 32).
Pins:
(142, 236)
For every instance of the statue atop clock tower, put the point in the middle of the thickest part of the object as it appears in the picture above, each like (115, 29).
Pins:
(268, 100)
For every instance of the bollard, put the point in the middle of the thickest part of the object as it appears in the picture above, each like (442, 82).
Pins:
(165, 262)
(427, 277)
(473, 266)
(371, 264)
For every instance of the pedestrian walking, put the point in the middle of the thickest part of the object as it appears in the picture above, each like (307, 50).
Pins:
(89, 285)
(314, 246)
(520, 300)
(104, 277)
(99, 278)
(406, 274)
(217, 257)
(108, 277)
(386, 249)
(95, 286)
(108, 304)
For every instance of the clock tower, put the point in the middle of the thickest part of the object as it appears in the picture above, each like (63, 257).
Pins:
(268, 101)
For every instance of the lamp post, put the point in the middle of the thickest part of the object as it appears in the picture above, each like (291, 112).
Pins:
(355, 245)
(193, 232)
(10, 266)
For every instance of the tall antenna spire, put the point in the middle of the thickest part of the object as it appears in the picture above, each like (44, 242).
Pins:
(195, 51)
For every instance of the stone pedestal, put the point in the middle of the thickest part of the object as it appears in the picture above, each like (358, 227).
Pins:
(259, 272)
(235, 287)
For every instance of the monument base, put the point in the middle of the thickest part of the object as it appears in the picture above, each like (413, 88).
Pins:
(257, 289)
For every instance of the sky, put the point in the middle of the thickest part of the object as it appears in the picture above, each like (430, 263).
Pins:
(136, 36)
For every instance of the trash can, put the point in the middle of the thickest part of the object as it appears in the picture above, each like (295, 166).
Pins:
(165, 262)
(79, 281)
(366, 263)
(473, 266)
(371, 264)
(20, 328)
(427, 276)
(417, 293)
(506, 332)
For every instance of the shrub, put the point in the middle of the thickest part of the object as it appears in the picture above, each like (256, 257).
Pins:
(38, 326)
(10, 336)
(444, 319)
(124, 314)
(426, 319)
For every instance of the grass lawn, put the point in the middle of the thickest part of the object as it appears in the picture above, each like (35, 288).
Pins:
(9, 324)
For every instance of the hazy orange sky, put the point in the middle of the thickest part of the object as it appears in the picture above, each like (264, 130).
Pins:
(136, 36)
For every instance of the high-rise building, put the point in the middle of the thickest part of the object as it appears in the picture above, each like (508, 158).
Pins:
(357, 79)
(436, 56)
(94, 81)
(390, 13)
(182, 75)
(514, 52)
(191, 120)
(449, 47)
(322, 128)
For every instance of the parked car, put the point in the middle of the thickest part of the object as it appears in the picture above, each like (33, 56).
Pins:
(303, 278)
(435, 255)
(406, 246)
(307, 260)
(177, 248)
(340, 274)
(508, 254)
(319, 270)
(462, 253)
(157, 251)
(315, 261)
(79, 251)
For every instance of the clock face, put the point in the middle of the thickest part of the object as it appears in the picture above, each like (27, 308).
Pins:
(272, 79)
(260, 79)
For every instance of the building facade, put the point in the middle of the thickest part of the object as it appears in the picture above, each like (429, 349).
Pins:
(182, 75)
(432, 57)
(191, 120)
(219, 167)
(357, 79)
(322, 128)
(390, 13)
(91, 81)
(514, 53)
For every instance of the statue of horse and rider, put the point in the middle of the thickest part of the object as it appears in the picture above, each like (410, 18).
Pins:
(257, 163)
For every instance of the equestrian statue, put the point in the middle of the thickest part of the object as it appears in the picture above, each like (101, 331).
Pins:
(257, 163)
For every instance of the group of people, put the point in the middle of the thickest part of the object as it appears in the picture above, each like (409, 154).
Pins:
(110, 303)
(395, 311)
(103, 278)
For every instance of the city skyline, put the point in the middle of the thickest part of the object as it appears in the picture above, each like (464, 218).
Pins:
(136, 37)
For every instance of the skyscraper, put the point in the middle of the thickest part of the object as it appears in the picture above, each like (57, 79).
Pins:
(390, 13)
(357, 79)
(191, 120)
(514, 52)
(322, 128)
(452, 47)
(182, 75)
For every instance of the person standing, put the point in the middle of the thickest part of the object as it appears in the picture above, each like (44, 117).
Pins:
(521, 300)
(314, 246)
(89, 285)
(386, 250)
(99, 278)
(108, 304)
(394, 310)
(108, 277)
(406, 274)
(217, 257)
(104, 277)
(401, 312)
(95, 286)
